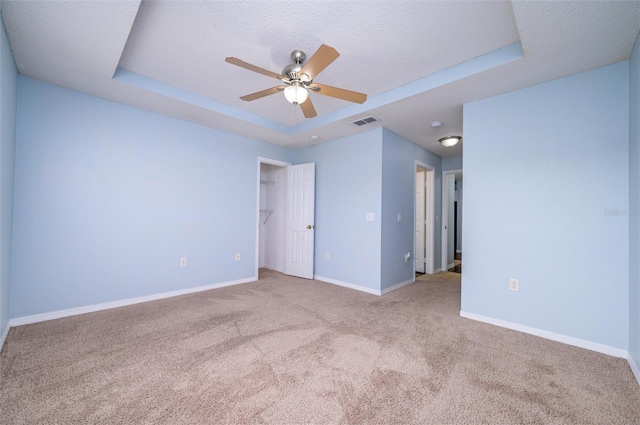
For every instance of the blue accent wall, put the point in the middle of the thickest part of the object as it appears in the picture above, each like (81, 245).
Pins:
(634, 203)
(546, 173)
(348, 185)
(109, 197)
(8, 99)
(399, 158)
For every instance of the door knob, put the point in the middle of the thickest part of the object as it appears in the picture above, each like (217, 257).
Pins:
(309, 226)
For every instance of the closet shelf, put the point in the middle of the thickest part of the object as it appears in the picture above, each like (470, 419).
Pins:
(268, 213)
(267, 182)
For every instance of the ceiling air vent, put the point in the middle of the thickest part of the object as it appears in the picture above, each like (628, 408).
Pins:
(365, 120)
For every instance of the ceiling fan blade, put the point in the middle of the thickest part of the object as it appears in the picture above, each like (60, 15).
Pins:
(263, 93)
(250, 67)
(351, 96)
(319, 61)
(307, 109)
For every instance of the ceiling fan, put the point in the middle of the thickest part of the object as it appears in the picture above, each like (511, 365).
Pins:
(298, 80)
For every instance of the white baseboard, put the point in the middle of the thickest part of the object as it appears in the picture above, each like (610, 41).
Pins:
(35, 318)
(450, 265)
(397, 286)
(348, 285)
(274, 268)
(577, 342)
(437, 271)
(4, 334)
(634, 368)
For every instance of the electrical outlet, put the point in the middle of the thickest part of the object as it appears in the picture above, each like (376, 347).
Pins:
(237, 256)
(369, 216)
(326, 255)
(399, 217)
(514, 285)
(183, 262)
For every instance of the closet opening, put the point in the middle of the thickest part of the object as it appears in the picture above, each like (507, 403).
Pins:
(272, 200)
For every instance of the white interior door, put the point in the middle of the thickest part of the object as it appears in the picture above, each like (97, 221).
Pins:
(300, 220)
(419, 254)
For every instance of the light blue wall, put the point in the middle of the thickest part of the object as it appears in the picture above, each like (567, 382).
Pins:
(109, 197)
(634, 203)
(8, 96)
(348, 182)
(545, 195)
(452, 163)
(399, 158)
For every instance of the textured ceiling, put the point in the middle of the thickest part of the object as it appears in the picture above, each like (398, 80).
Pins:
(418, 61)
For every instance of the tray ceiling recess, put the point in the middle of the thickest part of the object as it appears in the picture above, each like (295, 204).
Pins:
(169, 57)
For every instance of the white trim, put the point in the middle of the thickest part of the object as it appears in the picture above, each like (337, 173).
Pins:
(634, 367)
(348, 285)
(397, 286)
(35, 318)
(419, 256)
(437, 271)
(5, 332)
(577, 342)
(451, 265)
(429, 215)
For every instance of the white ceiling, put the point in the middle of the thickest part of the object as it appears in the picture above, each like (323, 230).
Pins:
(418, 61)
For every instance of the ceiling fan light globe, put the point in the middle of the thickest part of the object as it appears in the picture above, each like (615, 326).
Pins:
(296, 94)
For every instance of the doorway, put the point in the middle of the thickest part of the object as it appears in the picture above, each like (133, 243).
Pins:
(285, 228)
(271, 215)
(424, 214)
(452, 220)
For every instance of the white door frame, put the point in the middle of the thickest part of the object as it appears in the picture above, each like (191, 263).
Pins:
(429, 215)
(270, 161)
(445, 218)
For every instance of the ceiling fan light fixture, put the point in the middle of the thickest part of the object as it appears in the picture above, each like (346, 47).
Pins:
(297, 79)
(450, 141)
(296, 94)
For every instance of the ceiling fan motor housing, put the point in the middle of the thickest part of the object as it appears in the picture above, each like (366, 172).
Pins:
(292, 71)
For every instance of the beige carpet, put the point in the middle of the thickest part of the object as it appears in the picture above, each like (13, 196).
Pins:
(291, 351)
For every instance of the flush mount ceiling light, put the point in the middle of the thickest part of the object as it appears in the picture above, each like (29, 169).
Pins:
(296, 93)
(450, 141)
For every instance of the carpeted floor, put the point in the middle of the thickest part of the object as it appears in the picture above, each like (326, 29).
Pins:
(291, 351)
